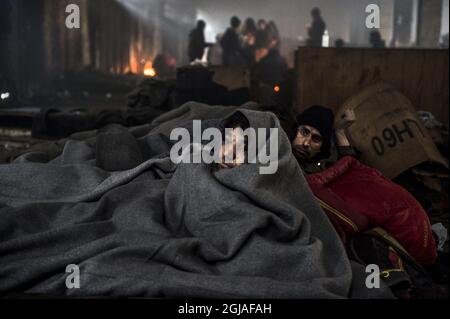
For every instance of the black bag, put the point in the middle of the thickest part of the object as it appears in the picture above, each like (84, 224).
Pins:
(405, 277)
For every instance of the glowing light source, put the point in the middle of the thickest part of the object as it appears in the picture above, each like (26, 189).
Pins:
(326, 39)
(276, 89)
(150, 72)
(5, 95)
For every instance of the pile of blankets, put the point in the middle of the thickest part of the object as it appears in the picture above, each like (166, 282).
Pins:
(113, 203)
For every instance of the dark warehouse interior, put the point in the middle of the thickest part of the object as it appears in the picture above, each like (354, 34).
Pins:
(224, 150)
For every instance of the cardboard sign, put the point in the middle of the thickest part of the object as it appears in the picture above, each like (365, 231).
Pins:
(388, 132)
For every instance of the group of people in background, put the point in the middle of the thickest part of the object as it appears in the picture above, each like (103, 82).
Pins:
(239, 43)
(248, 42)
(254, 44)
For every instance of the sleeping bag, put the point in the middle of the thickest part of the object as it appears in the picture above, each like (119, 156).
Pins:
(359, 197)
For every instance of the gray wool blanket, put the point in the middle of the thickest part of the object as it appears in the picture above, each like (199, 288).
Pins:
(137, 225)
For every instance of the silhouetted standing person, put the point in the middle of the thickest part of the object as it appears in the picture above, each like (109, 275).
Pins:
(339, 43)
(231, 46)
(444, 41)
(376, 41)
(249, 39)
(249, 27)
(262, 31)
(270, 67)
(317, 29)
(262, 25)
(273, 34)
(197, 42)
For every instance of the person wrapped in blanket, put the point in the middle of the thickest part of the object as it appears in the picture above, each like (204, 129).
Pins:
(235, 121)
(374, 217)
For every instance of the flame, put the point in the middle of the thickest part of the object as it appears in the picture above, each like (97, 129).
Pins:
(149, 71)
(134, 65)
(276, 88)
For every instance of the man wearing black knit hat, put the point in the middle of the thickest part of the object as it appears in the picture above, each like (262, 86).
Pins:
(313, 145)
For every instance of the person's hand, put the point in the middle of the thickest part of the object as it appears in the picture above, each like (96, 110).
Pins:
(341, 124)
(345, 121)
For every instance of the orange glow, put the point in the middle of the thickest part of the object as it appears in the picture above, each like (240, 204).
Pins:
(134, 65)
(276, 89)
(149, 71)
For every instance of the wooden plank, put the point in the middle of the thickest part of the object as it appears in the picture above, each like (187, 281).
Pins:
(412, 70)
(329, 76)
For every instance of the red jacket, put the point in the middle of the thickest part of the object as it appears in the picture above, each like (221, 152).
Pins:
(357, 198)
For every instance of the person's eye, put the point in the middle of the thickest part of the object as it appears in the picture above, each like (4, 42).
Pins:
(316, 139)
(304, 131)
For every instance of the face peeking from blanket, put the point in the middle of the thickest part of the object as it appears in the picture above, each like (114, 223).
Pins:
(232, 144)
(234, 150)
